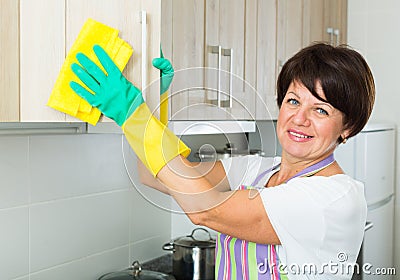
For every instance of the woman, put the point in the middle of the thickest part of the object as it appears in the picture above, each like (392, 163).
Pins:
(294, 217)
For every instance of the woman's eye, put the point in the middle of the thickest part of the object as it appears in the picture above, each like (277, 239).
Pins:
(292, 101)
(322, 111)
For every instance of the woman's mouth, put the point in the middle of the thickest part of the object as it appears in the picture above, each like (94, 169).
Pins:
(298, 136)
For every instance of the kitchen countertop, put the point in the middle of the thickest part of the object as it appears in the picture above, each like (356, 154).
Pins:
(161, 264)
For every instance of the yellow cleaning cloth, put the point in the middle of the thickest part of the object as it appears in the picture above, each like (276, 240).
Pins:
(63, 98)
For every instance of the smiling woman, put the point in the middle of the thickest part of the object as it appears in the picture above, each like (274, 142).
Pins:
(271, 213)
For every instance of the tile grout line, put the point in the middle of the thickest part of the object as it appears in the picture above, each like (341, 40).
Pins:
(63, 199)
(78, 259)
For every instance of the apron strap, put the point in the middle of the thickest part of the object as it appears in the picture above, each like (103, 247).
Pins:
(262, 174)
(311, 170)
(306, 172)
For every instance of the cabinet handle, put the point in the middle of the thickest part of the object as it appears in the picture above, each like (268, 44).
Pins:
(329, 30)
(337, 34)
(229, 52)
(143, 21)
(223, 52)
(218, 51)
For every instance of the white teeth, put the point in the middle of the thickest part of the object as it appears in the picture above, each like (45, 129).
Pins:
(299, 135)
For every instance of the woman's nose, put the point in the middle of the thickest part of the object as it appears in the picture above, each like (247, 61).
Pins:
(301, 117)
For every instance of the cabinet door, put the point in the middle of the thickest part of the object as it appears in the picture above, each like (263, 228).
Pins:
(336, 19)
(341, 18)
(9, 58)
(325, 21)
(290, 29)
(266, 59)
(302, 22)
(209, 55)
(306, 21)
(186, 44)
(314, 23)
(42, 51)
(299, 24)
(237, 98)
(123, 15)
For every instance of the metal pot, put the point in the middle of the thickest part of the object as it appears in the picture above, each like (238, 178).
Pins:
(193, 258)
(135, 272)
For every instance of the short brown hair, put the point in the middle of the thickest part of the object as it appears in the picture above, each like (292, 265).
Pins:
(345, 78)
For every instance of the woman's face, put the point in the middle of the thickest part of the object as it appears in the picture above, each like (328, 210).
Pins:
(308, 128)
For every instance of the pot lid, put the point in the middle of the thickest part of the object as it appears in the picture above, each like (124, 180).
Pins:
(135, 272)
(193, 241)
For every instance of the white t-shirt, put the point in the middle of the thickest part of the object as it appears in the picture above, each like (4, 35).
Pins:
(319, 220)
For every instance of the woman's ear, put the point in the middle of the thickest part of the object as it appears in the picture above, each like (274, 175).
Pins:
(344, 135)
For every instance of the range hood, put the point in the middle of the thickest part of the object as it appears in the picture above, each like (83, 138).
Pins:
(202, 127)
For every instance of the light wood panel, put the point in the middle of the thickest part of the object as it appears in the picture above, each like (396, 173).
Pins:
(42, 55)
(267, 54)
(250, 59)
(314, 22)
(335, 16)
(9, 60)
(233, 36)
(198, 25)
(188, 35)
(341, 20)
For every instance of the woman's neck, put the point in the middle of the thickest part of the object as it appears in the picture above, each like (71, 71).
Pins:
(291, 166)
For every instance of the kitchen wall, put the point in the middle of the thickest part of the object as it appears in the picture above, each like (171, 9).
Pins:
(373, 29)
(68, 209)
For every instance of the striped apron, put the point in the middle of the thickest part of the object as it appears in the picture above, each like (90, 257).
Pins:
(241, 259)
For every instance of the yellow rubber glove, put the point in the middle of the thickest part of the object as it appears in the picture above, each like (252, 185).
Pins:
(117, 98)
(151, 140)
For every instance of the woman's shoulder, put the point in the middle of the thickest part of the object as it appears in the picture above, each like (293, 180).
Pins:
(336, 180)
(329, 189)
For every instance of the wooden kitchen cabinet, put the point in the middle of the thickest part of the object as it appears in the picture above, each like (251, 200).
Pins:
(213, 48)
(206, 44)
(266, 57)
(335, 21)
(227, 24)
(301, 22)
(325, 20)
(46, 30)
(42, 52)
(9, 61)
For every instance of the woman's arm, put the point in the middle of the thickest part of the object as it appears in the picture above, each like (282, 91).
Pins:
(236, 213)
(213, 172)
